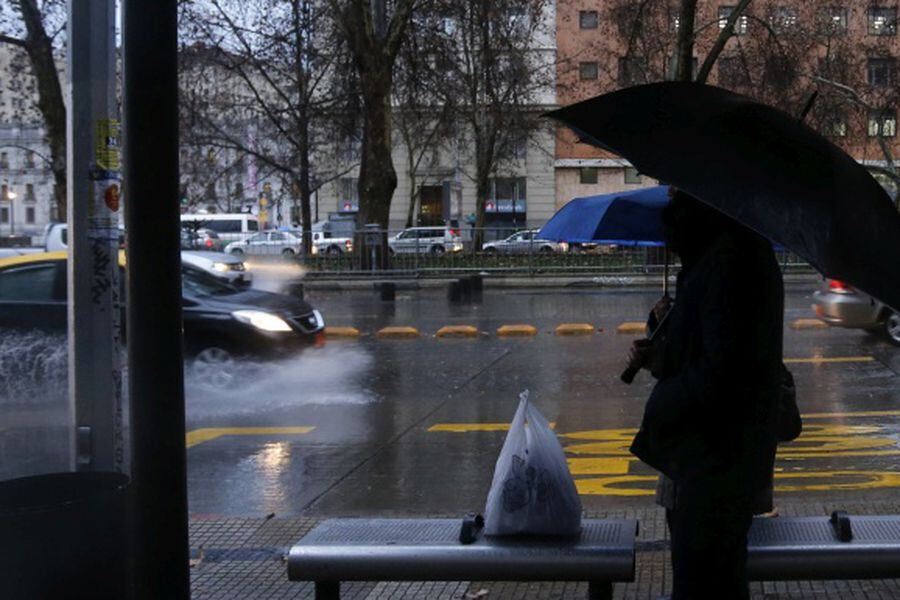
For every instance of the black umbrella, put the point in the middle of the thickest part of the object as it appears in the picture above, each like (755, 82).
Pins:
(759, 165)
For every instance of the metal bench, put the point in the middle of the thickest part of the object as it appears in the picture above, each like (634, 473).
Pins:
(429, 550)
(816, 548)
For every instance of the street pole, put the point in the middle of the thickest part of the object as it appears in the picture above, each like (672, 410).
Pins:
(156, 373)
(95, 372)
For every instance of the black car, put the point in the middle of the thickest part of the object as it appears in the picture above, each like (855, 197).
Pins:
(221, 321)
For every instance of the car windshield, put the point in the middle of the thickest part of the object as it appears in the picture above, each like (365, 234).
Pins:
(198, 283)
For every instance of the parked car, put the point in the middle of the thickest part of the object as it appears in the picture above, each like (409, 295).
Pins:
(841, 305)
(269, 243)
(230, 227)
(201, 239)
(422, 240)
(221, 321)
(524, 242)
(323, 242)
(220, 265)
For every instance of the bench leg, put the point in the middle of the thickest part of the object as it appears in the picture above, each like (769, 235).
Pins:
(328, 590)
(600, 590)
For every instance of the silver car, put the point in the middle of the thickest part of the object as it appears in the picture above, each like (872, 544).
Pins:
(227, 267)
(431, 240)
(841, 305)
(268, 243)
(524, 242)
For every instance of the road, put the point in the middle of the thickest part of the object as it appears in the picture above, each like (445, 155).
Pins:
(413, 426)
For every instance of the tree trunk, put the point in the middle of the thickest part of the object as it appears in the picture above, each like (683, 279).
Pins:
(686, 40)
(50, 97)
(413, 194)
(377, 177)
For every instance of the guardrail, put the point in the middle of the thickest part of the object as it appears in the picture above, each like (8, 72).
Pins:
(455, 254)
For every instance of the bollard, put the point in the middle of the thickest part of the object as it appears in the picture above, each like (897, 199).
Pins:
(465, 289)
(477, 285)
(454, 292)
(296, 290)
(388, 291)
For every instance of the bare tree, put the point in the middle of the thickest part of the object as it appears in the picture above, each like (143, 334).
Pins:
(260, 83)
(38, 30)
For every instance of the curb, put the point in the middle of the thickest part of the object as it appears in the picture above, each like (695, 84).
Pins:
(632, 327)
(457, 331)
(397, 333)
(341, 332)
(516, 330)
(575, 329)
(808, 324)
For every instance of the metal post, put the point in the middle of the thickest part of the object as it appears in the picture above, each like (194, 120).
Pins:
(95, 335)
(156, 376)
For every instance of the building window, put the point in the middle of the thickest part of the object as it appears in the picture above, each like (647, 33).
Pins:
(507, 196)
(211, 191)
(516, 147)
(784, 18)
(4, 214)
(587, 19)
(742, 24)
(882, 123)
(674, 23)
(833, 21)
(587, 71)
(732, 72)
(632, 176)
(29, 215)
(348, 194)
(882, 20)
(837, 128)
(632, 71)
(29, 160)
(588, 174)
(880, 71)
(672, 66)
(29, 192)
(4, 160)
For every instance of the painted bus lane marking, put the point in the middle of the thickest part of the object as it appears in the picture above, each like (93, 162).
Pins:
(602, 465)
(206, 434)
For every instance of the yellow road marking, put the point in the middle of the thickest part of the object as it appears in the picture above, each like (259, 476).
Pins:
(397, 333)
(850, 415)
(467, 427)
(198, 436)
(516, 330)
(632, 327)
(575, 329)
(457, 331)
(808, 324)
(599, 466)
(342, 332)
(831, 359)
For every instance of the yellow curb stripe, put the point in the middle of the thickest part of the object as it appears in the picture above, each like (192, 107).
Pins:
(342, 332)
(808, 324)
(467, 331)
(198, 436)
(397, 333)
(516, 330)
(632, 327)
(850, 415)
(575, 329)
(830, 360)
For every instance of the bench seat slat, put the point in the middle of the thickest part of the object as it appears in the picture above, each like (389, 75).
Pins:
(428, 549)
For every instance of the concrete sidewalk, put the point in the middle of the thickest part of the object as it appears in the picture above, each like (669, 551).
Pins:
(245, 558)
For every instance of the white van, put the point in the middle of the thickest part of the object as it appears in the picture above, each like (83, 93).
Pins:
(231, 227)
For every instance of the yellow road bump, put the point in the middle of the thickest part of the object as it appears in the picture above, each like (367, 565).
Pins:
(457, 331)
(830, 359)
(198, 436)
(575, 329)
(808, 324)
(632, 327)
(341, 332)
(397, 333)
(516, 330)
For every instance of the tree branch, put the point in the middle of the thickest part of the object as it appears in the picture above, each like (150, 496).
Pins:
(5, 39)
(719, 45)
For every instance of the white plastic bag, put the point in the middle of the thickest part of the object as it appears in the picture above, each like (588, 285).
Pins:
(532, 491)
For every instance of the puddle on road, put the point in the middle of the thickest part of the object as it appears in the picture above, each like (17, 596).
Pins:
(330, 375)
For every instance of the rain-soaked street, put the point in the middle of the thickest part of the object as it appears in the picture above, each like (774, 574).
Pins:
(398, 426)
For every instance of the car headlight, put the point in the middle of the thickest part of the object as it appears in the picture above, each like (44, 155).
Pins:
(314, 250)
(563, 247)
(262, 320)
(221, 267)
(320, 322)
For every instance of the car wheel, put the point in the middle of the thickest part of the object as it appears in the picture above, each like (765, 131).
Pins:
(333, 251)
(437, 249)
(237, 252)
(287, 253)
(491, 250)
(214, 367)
(546, 250)
(892, 328)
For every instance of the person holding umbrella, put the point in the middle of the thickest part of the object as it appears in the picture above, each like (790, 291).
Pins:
(707, 424)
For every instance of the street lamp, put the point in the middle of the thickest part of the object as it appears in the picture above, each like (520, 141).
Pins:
(9, 196)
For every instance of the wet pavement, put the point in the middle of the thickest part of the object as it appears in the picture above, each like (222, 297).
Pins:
(389, 427)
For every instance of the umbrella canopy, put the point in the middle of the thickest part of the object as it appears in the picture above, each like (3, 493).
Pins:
(625, 218)
(759, 165)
